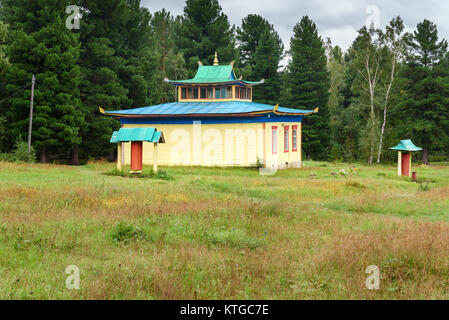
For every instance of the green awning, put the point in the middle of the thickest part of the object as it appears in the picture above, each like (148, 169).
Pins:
(137, 134)
(406, 145)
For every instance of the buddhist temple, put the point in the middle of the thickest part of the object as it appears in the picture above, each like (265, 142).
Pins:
(215, 123)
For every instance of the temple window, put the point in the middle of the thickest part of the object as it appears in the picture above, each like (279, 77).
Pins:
(243, 93)
(215, 93)
(183, 93)
(223, 93)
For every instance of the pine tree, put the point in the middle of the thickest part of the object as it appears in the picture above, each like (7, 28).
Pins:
(261, 50)
(424, 113)
(137, 48)
(171, 64)
(204, 30)
(100, 65)
(336, 67)
(266, 62)
(4, 61)
(309, 82)
(248, 37)
(118, 64)
(40, 44)
(4, 66)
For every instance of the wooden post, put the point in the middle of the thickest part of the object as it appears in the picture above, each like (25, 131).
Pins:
(30, 126)
(299, 143)
(410, 165)
(119, 156)
(155, 158)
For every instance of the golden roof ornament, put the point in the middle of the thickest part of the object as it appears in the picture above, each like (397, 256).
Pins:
(216, 59)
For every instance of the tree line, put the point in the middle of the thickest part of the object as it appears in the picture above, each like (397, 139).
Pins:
(389, 85)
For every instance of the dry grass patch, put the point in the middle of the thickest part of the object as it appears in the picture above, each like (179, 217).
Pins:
(413, 258)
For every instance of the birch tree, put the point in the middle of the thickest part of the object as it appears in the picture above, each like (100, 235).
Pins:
(393, 45)
(368, 63)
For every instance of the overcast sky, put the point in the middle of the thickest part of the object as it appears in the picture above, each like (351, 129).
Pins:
(337, 19)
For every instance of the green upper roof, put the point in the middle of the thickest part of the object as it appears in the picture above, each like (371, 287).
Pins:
(215, 75)
(406, 145)
(137, 134)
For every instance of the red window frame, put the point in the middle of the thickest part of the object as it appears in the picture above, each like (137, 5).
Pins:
(294, 136)
(286, 138)
(274, 146)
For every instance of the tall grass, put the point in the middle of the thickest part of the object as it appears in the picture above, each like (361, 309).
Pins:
(223, 233)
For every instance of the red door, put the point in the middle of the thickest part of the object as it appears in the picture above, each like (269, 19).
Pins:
(406, 164)
(136, 155)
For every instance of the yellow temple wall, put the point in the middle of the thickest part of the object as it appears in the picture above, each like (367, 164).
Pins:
(239, 144)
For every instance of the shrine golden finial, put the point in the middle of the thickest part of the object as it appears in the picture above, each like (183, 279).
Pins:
(216, 59)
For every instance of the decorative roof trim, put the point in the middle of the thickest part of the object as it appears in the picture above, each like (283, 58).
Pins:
(243, 114)
(207, 109)
(230, 82)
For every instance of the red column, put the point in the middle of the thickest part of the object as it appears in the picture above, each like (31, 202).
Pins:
(136, 155)
(406, 164)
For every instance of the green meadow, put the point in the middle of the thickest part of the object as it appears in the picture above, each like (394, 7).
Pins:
(213, 233)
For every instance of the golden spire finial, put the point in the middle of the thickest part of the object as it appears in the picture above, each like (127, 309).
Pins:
(216, 59)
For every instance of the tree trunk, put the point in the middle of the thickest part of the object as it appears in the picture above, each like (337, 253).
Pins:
(371, 138)
(371, 149)
(425, 154)
(382, 131)
(43, 155)
(75, 155)
(387, 97)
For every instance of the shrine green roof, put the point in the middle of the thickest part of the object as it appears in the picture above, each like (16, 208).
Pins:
(406, 145)
(137, 134)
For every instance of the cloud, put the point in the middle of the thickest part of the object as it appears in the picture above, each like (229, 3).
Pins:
(337, 19)
(342, 37)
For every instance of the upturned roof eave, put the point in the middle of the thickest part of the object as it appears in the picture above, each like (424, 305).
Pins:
(192, 82)
(219, 109)
(245, 114)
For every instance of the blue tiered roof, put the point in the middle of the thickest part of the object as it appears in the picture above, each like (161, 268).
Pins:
(207, 109)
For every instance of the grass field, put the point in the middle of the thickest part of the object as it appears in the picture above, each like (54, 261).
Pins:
(210, 233)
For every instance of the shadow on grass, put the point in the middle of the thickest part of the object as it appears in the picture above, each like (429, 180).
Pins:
(162, 175)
